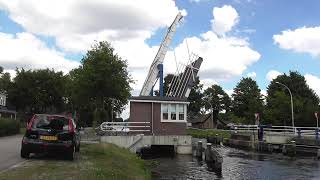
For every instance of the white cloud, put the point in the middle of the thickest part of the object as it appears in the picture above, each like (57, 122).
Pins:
(252, 74)
(207, 83)
(272, 74)
(77, 23)
(224, 19)
(127, 24)
(264, 93)
(301, 40)
(27, 51)
(229, 92)
(224, 57)
(313, 82)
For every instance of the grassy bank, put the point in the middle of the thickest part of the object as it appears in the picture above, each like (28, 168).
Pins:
(9, 127)
(96, 161)
(208, 132)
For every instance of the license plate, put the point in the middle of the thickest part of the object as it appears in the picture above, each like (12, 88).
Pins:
(48, 138)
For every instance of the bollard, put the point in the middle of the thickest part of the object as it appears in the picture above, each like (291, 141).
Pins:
(293, 148)
(199, 149)
(318, 154)
(208, 157)
(216, 139)
(284, 149)
(317, 134)
(213, 158)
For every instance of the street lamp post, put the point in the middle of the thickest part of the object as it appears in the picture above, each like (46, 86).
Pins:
(292, 114)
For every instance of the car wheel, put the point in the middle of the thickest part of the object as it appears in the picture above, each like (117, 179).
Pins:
(24, 153)
(72, 153)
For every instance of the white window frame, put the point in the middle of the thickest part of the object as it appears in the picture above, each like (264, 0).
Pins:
(2, 100)
(177, 113)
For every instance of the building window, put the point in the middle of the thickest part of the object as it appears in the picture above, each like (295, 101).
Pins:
(181, 112)
(173, 112)
(165, 112)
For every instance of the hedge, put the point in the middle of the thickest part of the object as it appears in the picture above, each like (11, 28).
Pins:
(9, 127)
(204, 133)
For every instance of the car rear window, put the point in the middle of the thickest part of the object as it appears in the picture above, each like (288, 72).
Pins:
(50, 122)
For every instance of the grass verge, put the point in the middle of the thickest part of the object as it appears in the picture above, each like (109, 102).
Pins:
(95, 161)
(196, 133)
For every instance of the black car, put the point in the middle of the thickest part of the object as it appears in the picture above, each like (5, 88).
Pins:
(52, 134)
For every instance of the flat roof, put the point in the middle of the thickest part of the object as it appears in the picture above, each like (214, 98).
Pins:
(158, 98)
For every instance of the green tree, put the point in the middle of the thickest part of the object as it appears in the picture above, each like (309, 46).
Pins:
(195, 98)
(102, 82)
(166, 83)
(5, 80)
(218, 98)
(38, 91)
(305, 101)
(247, 100)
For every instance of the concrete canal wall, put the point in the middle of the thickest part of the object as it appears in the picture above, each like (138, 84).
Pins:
(182, 144)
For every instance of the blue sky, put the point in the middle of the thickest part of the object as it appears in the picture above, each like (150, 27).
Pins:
(244, 37)
(265, 19)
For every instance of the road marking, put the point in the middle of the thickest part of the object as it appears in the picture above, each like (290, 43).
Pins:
(13, 166)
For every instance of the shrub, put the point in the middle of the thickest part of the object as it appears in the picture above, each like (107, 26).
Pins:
(204, 133)
(9, 127)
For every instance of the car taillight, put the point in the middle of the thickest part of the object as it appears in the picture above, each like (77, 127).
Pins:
(30, 122)
(71, 127)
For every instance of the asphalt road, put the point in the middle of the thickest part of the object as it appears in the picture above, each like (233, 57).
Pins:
(10, 151)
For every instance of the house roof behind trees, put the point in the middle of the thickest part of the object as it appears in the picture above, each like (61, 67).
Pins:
(203, 117)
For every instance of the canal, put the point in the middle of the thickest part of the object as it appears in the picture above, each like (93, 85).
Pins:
(238, 164)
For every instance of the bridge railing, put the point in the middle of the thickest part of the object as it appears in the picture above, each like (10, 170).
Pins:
(286, 130)
(117, 128)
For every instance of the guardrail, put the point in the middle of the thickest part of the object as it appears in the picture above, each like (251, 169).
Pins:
(125, 127)
(286, 130)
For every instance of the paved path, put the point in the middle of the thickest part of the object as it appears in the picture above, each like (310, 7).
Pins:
(10, 151)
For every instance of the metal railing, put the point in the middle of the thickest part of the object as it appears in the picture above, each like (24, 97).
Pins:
(125, 127)
(285, 130)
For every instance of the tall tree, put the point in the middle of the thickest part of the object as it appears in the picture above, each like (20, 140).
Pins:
(5, 80)
(38, 91)
(195, 98)
(305, 101)
(166, 83)
(216, 97)
(247, 100)
(101, 81)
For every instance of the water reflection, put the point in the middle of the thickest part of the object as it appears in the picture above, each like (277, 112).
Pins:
(239, 164)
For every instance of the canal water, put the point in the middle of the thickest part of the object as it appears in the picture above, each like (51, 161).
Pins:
(239, 164)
